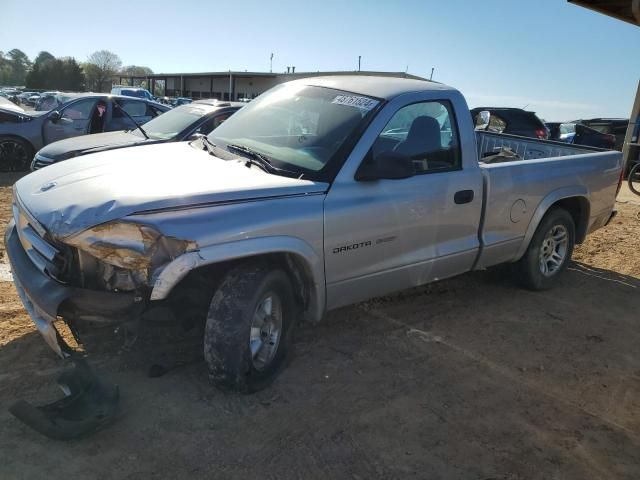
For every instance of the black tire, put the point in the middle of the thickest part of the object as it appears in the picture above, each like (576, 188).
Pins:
(529, 268)
(232, 365)
(15, 154)
(634, 179)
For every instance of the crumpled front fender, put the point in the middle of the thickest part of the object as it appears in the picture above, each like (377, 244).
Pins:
(176, 270)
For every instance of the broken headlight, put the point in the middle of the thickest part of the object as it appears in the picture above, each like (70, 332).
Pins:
(122, 256)
(125, 245)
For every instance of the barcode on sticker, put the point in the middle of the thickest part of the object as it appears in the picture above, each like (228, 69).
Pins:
(362, 103)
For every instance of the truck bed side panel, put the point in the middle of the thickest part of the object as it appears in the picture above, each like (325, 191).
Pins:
(527, 148)
(519, 193)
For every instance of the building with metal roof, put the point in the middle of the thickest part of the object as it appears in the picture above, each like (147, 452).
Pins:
(231, 85)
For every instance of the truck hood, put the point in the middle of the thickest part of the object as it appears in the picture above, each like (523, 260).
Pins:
(71, 196)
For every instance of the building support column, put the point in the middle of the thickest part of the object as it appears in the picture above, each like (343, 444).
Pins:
(631, 148)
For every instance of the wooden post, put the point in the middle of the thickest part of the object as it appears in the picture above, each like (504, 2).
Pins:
(631, 149)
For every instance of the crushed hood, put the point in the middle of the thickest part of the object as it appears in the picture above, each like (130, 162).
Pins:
(71, 196)
(73, 146)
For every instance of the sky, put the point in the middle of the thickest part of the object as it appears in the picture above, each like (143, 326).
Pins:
(555, 58)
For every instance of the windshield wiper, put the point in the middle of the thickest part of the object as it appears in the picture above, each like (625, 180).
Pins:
(260, 159)
(256, 158)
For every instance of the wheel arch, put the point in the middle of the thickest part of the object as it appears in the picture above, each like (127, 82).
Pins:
(574, 200)
(293, 255)
(18, 137)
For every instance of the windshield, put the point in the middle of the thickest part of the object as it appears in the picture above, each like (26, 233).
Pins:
(298, 128)
(170, 124)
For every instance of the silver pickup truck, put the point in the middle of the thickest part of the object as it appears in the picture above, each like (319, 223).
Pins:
(321, 193)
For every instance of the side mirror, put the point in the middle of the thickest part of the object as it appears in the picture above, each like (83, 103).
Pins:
(195, 136)
(55, 116)
(482, 120)
(386, 166)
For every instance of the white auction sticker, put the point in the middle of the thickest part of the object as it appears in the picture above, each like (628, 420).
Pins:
(362, 103)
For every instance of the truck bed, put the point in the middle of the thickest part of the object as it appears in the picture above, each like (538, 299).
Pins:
(519, 190)
(527, 148)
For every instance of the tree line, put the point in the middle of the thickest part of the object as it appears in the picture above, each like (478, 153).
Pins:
(48, 72)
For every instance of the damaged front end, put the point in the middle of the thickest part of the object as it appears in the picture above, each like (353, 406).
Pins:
(122, 256)
(101, 276)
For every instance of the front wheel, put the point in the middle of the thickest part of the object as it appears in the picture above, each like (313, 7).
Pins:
(634, 179)
(249, 328)
(549, 252)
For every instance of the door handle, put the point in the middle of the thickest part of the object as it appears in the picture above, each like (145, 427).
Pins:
(463, 196)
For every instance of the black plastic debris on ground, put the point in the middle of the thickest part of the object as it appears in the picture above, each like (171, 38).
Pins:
(88, 405)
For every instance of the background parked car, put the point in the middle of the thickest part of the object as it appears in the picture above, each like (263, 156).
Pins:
(33, 99)
(180, 124)
(554, 130)
(51, 101)
(22, 97)
(514, 121)
(132, 92)
(181, 101)
(610, 126)
(579, 134)
(24, 133)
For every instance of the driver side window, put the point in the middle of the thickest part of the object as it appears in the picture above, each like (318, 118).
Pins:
(426, 133)
(80, 110)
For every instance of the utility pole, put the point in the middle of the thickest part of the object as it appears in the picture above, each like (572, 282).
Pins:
(431, 77)
(271, 64)
(359, 60)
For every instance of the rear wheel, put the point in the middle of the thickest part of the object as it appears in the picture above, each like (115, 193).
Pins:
(249, 328)
(634, 179)
(15, 155)
(549, 252)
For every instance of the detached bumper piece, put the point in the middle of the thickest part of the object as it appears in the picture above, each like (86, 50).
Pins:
(88, 405)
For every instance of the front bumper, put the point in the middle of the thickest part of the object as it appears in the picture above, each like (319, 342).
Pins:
(45, 298)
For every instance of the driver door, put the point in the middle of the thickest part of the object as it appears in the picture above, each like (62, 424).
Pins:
(74, 120)
(391, 234)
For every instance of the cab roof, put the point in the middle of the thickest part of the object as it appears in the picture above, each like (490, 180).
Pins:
(373, 86)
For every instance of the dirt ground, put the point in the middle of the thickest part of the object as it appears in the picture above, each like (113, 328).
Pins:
(470, 378)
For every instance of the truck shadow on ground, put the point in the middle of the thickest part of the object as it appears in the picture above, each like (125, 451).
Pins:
(468, 377)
